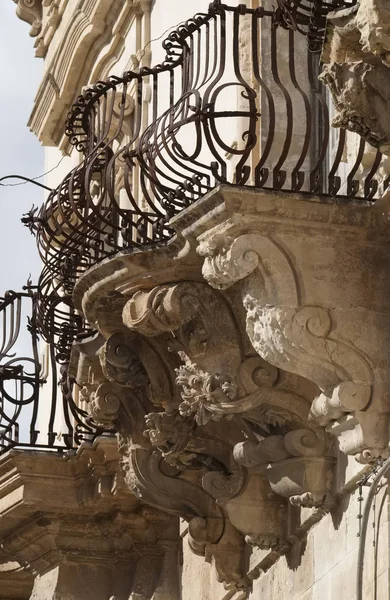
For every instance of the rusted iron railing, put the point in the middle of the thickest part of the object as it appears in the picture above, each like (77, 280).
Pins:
(235, 101)
(38, 408)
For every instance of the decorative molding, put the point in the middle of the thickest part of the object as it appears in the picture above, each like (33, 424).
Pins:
(103, 403)
(95, 27)
(223, 393)
(303, 339)
(298, 465)
(93, 523)
(256, 367)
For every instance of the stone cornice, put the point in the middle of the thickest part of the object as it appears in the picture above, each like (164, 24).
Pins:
(274, 207)
(25, 475)
(66, 516)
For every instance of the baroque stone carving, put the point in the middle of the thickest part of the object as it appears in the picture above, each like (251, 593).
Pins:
(170, 433)
(120, 364)
(220, 393)
(303, 339)
(181, 459)
(103, 403)
(231, 436)
(31, 12)
(356, 69)
(157, 448)
(298, 464)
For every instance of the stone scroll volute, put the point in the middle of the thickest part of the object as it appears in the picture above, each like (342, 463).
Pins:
(291, 329)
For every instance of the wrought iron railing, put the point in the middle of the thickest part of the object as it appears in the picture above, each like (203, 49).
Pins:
(37, 401)
(235, 101)
(309, 17)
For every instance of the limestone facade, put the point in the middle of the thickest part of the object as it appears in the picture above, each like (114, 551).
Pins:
(243, 365)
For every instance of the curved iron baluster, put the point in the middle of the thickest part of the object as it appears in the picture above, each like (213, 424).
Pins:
(137, 173)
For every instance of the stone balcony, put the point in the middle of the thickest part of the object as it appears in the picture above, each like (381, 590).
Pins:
(228, 304)
(70, 528)
(237, 361)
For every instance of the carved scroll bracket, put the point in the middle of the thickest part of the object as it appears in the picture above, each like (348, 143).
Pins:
(308, 310)
(229, 387)
(31, 12)
(163, 460)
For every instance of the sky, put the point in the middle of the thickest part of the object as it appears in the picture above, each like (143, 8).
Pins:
(20, 150)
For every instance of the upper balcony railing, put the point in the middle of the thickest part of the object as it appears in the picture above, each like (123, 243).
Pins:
(236, 101)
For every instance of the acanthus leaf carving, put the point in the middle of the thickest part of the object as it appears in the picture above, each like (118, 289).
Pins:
(300, 340)
(204, 395)
(180, 459)
(158, 448)
(163, 309)
(170, 433)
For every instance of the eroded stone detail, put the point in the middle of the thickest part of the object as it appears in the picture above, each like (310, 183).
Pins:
(103, 403)
(31, 12)
(157, 447)
(314, 341)
(204, 394)
(293, 463)
(232, 385)
(246, 375)
(356, 70)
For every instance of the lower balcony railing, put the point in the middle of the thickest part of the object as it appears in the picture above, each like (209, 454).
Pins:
(39, 407)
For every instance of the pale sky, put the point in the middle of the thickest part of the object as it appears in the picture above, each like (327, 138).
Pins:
(20, 151)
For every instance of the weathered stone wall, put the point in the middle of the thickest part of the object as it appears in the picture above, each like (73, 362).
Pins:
(324, 568)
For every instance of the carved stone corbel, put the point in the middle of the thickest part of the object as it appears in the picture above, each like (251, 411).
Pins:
(308, 311)
(298, 464)
(206, 336)
(155, 475)
(208, 428)
(31, 12)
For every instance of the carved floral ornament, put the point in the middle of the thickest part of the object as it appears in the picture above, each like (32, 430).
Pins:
(234, 390)
(208, 430)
